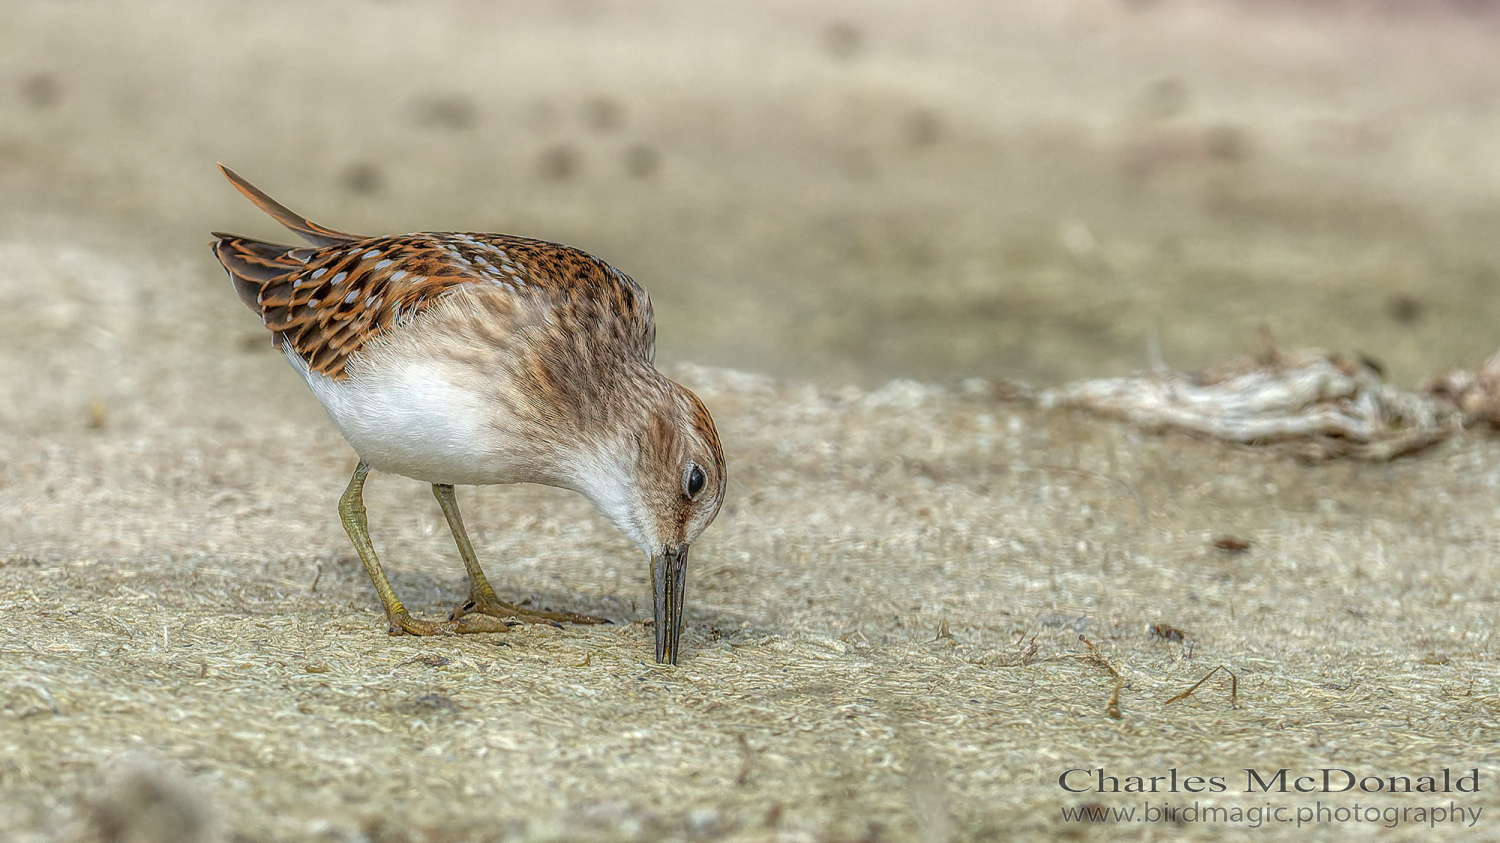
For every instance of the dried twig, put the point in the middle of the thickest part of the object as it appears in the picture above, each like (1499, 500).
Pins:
(1096, 657)
(1234, 687)
(1111, 708)
(747, 760)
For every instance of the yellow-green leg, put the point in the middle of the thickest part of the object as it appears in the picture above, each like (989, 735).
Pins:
(482, 599)
(352, 513)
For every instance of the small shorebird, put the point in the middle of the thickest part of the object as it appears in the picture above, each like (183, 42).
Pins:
(476, 359)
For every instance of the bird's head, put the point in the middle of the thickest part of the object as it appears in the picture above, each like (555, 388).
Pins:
(663, 491)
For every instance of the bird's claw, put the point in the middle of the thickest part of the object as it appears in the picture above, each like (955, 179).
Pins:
(485, 607)
(405, 624)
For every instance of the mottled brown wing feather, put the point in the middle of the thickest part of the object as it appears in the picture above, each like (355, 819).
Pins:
(327, 303)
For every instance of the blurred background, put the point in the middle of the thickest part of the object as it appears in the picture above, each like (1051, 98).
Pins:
(842, 192)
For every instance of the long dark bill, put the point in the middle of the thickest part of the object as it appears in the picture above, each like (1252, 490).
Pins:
(669, 581)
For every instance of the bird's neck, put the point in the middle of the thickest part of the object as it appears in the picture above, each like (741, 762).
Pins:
(606, 468)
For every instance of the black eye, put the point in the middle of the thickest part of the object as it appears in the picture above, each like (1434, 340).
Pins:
(693, 481)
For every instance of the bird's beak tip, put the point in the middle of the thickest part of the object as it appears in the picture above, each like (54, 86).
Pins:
(668, 584)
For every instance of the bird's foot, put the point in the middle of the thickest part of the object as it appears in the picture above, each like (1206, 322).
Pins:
(404, 624)
(488, 607)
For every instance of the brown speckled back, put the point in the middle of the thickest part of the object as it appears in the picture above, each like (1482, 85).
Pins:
(326, 302)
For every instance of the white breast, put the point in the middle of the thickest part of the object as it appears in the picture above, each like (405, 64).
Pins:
(411, 418)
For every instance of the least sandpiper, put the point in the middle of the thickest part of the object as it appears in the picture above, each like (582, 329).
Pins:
(476, 359)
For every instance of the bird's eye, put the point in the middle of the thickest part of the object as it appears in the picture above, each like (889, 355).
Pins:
(693, 481)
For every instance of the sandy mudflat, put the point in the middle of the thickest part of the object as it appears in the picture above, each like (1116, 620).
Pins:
(921, 604)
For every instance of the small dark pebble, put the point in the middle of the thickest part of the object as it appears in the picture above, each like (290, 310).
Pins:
(843, 40)
(41, 90)
(1233, 544)
(435, 702)
(559, 162)
(1164, 99)
(363, 177)
(1404, 309)
(859, 164)
(1230, 144)
(773, 815)
(641, 161)
(922, 128)
(449, 111)
(603, 114)
(256, 342)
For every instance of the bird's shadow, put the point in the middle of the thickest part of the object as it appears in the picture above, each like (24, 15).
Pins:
(430, 594)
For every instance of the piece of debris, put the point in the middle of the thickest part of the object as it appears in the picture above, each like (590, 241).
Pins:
(438, 703)
(1112, 707)
(1028, 653)
(1316, 405)
(1234, 687)
(1232, 544)
(1096, 657)
(1168, 632)
(747, 761)
(1476, 395)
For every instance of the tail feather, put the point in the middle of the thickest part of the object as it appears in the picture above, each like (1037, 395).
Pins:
(254, 265)
(305, 228)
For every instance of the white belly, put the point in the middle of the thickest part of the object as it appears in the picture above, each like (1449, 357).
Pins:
(412, 420)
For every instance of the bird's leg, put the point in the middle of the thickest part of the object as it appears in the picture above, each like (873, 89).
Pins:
(352, 513)
(482, 599)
